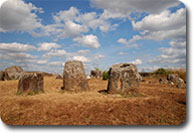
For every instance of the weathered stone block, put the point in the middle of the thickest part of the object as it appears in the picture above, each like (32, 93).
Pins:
(13, 73)
(74, 77)
(96, 73)
(30, 83)
(123, 78)
(176, 80)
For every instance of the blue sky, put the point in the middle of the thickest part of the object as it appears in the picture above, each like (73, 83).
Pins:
(41, 35)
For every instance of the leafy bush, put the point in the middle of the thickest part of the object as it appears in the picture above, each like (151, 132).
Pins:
(161, 71)
(97, 69)
(164, 72)
(105, 75)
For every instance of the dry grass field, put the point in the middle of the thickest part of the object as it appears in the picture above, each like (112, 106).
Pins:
(156, 104)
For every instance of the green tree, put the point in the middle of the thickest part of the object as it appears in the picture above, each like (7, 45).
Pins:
(105, 75)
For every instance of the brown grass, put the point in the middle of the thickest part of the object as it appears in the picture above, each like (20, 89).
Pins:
(157, 104)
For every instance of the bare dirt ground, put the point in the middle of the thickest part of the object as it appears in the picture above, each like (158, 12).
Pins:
(157, 104)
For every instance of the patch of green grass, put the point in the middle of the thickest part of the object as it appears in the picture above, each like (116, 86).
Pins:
(127, 95)
(139, 95)
(35, 91)
(104, 93)
(130, 95)
(19, 93)
(29, 93)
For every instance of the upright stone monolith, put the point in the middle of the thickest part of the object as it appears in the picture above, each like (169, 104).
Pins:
(74, 77)
(96, 73)
(30, 83)
(123, 78)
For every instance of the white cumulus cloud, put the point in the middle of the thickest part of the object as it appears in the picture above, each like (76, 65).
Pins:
(137, 62)
(56, 63)
(98, 56)
(46, 46)
(58, 53)
(127, 43)
(72, 29)
(165, 25)
(163, 21)
(81, 58)
(16, 47)
(41, 61)
(18, 16)
(122, 8)
(90, 41)
(17, 52)
(86, 51)
(176, 54)
(66, 15)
